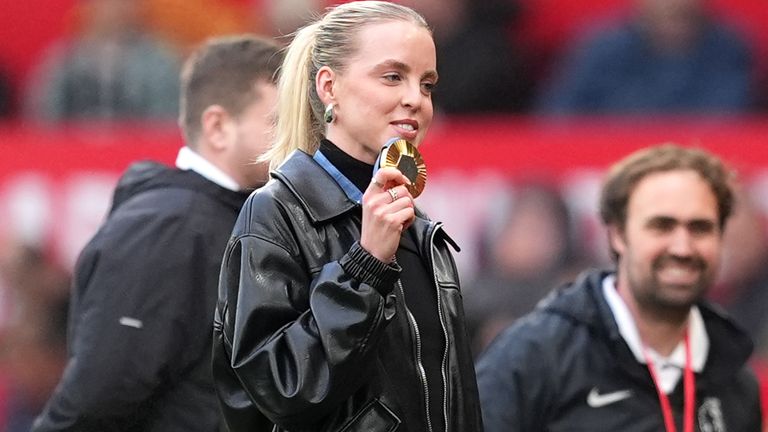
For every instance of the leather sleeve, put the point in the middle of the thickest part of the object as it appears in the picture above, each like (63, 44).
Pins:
(299, 345)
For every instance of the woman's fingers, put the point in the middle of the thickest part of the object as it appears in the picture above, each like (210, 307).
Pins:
(388, 209)
(387, 178)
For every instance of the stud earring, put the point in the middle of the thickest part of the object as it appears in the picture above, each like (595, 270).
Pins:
(328, 116)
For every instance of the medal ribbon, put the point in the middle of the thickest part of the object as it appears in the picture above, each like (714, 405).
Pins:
(689, 383)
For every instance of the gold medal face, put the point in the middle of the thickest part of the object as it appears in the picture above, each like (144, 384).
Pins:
(406, 157)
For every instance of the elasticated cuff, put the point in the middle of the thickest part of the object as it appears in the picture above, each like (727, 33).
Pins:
(370, 270)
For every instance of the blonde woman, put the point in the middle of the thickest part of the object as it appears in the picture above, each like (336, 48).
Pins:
(339, 304)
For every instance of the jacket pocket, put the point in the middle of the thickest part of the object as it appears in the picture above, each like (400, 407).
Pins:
(373, 417)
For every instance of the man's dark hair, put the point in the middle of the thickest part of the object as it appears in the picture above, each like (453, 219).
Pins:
(223, 72)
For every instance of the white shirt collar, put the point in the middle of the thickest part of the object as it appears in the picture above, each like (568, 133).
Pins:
(669, 368)
(189, 159)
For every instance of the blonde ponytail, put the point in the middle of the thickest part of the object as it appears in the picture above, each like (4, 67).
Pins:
(297, 126)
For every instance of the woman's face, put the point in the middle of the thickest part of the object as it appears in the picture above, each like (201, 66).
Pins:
(385, 90)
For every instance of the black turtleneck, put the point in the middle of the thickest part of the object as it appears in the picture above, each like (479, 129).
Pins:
(358, 172)
(418, 288)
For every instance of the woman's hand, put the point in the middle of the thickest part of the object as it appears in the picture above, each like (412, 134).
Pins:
(387, 210)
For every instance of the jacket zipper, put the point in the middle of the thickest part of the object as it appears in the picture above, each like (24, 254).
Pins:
(419, 364)
(442, 324)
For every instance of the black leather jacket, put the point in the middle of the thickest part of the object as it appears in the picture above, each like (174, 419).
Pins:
(312, 332)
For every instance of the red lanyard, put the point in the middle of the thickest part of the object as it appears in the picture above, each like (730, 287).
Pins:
(689, 384)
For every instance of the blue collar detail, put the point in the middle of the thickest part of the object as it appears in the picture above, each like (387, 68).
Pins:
(352, 192)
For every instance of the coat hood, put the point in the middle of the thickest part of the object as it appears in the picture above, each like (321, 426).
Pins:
(144, 176)
(582, 302)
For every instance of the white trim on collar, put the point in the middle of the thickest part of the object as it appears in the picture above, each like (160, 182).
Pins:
(189, 159)
(669, 368)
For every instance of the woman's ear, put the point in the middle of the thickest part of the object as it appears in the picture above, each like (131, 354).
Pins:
(324, 81)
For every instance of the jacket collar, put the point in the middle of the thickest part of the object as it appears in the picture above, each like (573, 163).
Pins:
(149, 175)
(188, 159)
(323, 198)
(584, 302)
(319, 194)
(628, 329)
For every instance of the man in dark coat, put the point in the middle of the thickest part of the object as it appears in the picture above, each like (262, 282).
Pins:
(145, 286)
(638, 349)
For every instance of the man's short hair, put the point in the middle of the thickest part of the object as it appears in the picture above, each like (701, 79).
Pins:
(223, 72)
(627, 173)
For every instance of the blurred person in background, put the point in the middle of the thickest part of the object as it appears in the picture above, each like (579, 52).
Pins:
(35, 297)
(667, 56)
(527, 250)
(139, 349)
(742, 287)
(283, 17)
(481, 71)
(187, 23)
(6, 96)
(111, 69)
(638, 348)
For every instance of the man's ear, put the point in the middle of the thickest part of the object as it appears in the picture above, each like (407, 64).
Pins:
(616, 239)
(324, 81)
(215, 126)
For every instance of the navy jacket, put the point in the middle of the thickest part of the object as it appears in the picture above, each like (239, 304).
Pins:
(142, 309)
(538, 374)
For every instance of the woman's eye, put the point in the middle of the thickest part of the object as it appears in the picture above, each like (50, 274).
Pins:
(428, 87)
(392, 77)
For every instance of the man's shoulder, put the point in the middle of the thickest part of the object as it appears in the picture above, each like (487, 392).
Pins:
(168, 210)
(580, 300)
(569, 310)
(167, 189)
(543, 330)
(161, 201)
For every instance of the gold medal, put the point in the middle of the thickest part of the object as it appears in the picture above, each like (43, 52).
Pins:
(405, 157)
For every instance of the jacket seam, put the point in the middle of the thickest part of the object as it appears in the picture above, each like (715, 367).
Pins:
(374, 324)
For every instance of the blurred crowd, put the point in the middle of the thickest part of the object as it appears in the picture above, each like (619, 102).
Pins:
(120, 61)
(34, 298)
